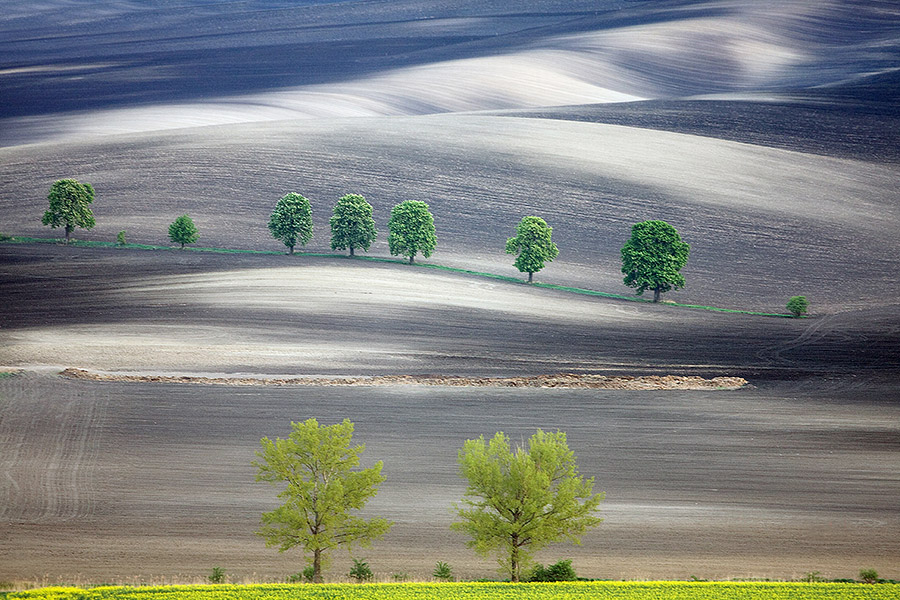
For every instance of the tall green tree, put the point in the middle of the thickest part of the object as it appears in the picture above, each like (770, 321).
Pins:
(291, 221)
(411, 230)
(183, 231)
(70, 206)
(653, 257)
(318, 467)
(352, 225)
(533, 245)
(520, 500)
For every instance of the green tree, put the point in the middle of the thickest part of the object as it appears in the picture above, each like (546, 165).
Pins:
(183, 231)
(69, 206)
(519, 501)
(653, 258)
(352, 225)
(291, 221)
(411, 230)
(533, 246)
(798, 305)
(322, 486)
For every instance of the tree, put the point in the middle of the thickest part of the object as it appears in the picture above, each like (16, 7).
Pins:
(517, 502)
(798, 305)
(291, 221)
(653, 258)
(183, 231)
(411, 230)
(532, 244)
(317, 465)
(352, 225)
(69, 206)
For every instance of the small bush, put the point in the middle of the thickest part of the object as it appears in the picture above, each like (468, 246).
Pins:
(308, 574)
(217, 575)
(442, 571)
(5, 238)
(7, 585)
(813, 577)
(798, 305)
(561, 571)
(868, 575)
(361, 571)
(400, 576)
(120, 238)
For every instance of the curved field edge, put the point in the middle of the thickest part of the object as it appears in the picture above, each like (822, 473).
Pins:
(662, 590)
(574, 290)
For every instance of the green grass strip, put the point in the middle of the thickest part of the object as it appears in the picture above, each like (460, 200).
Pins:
(606, 590)
(507, 278)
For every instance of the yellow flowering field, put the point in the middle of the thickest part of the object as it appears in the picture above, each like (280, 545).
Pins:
(665, 590)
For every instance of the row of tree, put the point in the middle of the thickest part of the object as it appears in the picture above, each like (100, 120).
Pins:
(518, 499)
(652, 258)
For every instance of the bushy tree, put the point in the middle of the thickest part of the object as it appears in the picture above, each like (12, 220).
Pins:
(411, 230)
(183, 231)
(322, 485)
(291, 221)
(561, 571)
(70, 206)
(653, 257)
(352, 225)
(519, 501)
(798, 305)
(533, 245)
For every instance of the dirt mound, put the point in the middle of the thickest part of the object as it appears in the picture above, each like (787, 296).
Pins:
(559, 380)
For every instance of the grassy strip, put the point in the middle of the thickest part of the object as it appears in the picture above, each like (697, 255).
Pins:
(654, 590)
(550, 286)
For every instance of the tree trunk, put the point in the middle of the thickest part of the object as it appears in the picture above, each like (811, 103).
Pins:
(411, 259)
(530, 275)
(317, 566)
(514, 563)
(351, 249)
(69, 229)
(292, 249)
(182, 245)
(656, 295)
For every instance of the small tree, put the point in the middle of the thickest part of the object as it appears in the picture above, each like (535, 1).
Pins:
(322, 487)
(442, 571)
(653, 258)
(183, 231)
(533, 246)
(360, 571)
(352, 225)
(868, 575)
(291, 221)
(217, 575)
(411, 230)
(120, 238)
(519, 501)
(70, 206)
(798, 305)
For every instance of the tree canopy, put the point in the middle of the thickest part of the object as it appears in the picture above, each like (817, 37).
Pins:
(411, 230)
(533, 245)
(69, 206)
(653, 257)
(322, 485)
(518, 501)
(352, 225)
(183, 231)
(291, 221)
(798, 305)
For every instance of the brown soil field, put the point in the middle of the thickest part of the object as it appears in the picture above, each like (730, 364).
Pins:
(765, 132)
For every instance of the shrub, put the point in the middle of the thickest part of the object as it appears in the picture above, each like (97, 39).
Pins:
(361, 571)
(217, 575)
(561, 571)
(798, 305)
(309, 573)
(402, 576)
(868, 575)
(442, 571)
(813, 577)
(120, 238)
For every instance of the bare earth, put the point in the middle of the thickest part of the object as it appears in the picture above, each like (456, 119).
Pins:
(765, 131)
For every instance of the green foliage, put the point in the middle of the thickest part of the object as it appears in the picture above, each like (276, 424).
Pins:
(56, 593)
(653, 257)
(401, 576)
(183, 231)
(798, 305)
(217, 575)
(813, 577)
(316, 465)
(291, 221)
(561, 571)
(411, 230)
(533, 245)
(69, 206)
(352, 225)
(442, 571)
(868, 575)
(360, 571)
(120, 238)
(519, 501)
